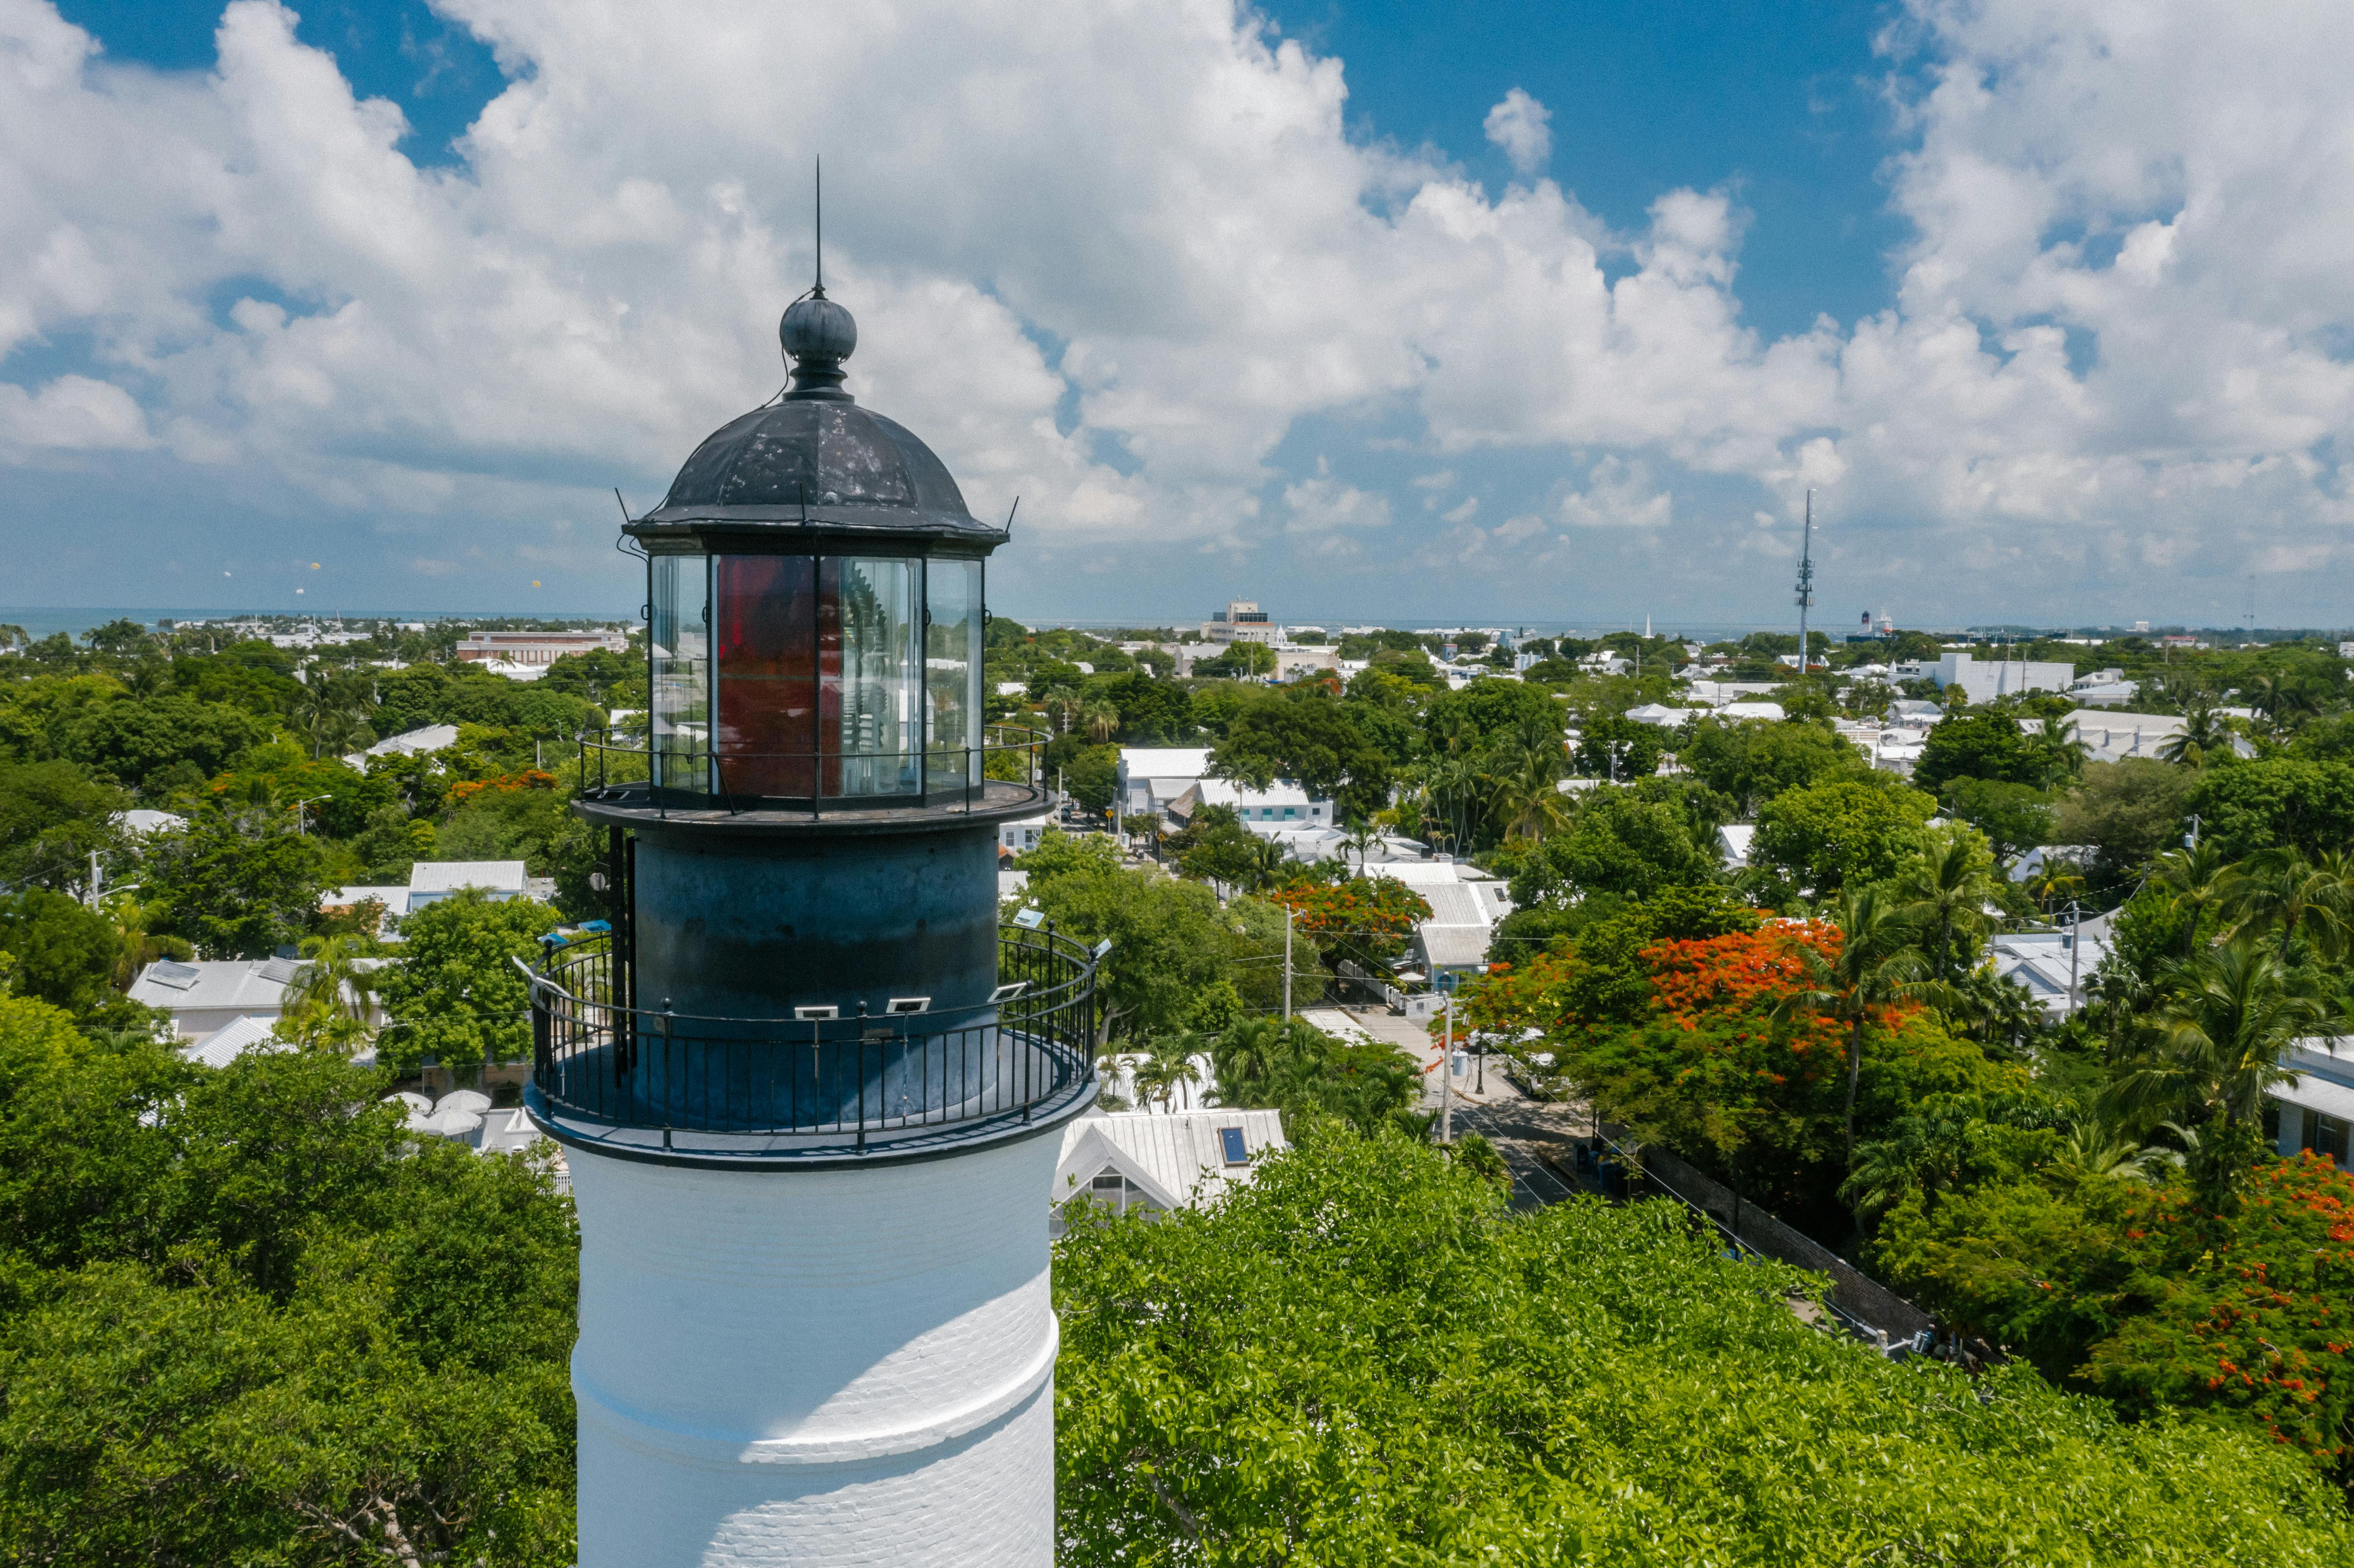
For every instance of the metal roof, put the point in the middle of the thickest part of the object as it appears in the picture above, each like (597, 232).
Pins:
(233, 1040)
(1176, 1159)
(814, 461)
(450, 875)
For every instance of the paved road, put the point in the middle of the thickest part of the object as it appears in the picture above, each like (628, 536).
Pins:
(1522, 1130)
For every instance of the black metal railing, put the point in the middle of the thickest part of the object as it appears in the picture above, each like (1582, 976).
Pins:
(597, 1060)
(672, 774)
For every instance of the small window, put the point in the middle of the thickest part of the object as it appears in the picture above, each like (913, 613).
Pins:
(1289, 813)
(1237, 1151)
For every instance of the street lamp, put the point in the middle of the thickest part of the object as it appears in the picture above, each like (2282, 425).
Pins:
(298, 811)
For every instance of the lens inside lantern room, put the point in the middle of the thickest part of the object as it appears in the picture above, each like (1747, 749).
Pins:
(799, 676)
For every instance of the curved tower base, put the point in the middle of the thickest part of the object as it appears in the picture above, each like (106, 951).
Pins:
(817, 1367)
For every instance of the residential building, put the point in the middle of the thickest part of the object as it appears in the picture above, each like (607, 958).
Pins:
(430, 881)
(1022, 836)
(2113, 736)
(2054, 966)
(1130, 1160)
(1465, 904)
(1291, 661)
(1733, 842)
(205, 997)
(536, 649)
(1280, 805)
(2316, 1111)
(1152, 777)
(1241, 621)
(408, 743)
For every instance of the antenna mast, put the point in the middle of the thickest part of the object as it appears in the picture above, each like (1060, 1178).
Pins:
(821, 227)
(1805, 581)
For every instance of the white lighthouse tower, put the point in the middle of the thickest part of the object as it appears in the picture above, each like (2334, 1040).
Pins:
(807, 1087)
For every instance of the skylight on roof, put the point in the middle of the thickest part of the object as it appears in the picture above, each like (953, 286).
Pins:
(1231, 1140)
(179, 975)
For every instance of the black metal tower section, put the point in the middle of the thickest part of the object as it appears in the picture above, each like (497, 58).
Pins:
(805, 962)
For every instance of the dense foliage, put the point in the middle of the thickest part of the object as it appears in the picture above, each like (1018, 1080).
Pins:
(1359, 1359)
(246, 1317)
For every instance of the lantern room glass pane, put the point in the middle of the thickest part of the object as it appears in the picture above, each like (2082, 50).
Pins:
(870, 725)
(767, 632)
(952, 673)
(679, 639)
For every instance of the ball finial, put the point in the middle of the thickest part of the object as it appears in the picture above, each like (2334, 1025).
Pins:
(817, 335)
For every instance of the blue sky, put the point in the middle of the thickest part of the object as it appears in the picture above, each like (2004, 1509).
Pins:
(1540, 313)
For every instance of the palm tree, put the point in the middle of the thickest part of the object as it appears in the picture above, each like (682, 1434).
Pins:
(1361, 836)
(327, 1003)
(1265, 862)
(2217, 1043)
(1946, 889)
(2095, 1146)
(325, 711)
(1528, 763)
(2204, 730)
(1101, 720)
(2283, 699)
(2058, 753)
(1060, 703)
(1878, 965)
(2194, 880)
(1168, 1068)
(2281, 890)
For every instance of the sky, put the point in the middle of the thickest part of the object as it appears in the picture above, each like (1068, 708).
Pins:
(1547, 313)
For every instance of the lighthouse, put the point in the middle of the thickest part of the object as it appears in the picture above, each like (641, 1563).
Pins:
(808, 1088)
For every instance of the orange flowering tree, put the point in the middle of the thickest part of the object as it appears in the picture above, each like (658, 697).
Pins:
(1370, 914)
(2152, 1299)
(504, 784)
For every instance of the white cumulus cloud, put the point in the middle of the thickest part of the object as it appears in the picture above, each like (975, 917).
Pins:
(1523, 127)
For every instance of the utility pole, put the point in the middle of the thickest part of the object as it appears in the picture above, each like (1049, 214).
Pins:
(97, 880)
(1806, 580)
(2076, 917)
(1287, 914)
(1446, 1075)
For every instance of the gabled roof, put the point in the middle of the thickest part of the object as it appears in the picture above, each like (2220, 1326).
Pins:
(233, 1040)
(215, 984)
(1165, 761)
(1173, 1160)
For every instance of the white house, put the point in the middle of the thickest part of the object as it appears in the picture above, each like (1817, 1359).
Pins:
(1022, 837)
(1465, 904)
(2054, 966)
(2316, 1110)
(1733, 842)
(205, 997)
(1144, 1161)
(430, 881)
(1151, 776)
(1279, 805)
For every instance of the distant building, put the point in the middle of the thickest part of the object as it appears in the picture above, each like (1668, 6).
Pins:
(2052, 967)
(1241, 621)
(2113, 736)
(2315, 1111)
(408, 743)
(536, 648)
(1465, 904)
(2006, 677)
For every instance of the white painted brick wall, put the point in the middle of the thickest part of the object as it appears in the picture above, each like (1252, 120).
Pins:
(807, 1367)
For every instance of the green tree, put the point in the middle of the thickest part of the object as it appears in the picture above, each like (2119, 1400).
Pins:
(2251, 804)
(1985, 744)
(2014, 817)
(1171, 942)
(1618, 748)
(1752, 762)
(53, 816)
(2128, 811)
(454, 994)
(1423, 1379)
(63, 953)
(1945, 890)
(1308, 739)
(1617, 843)
(139, 743)
(2218, 1040)
(1839, 832)
(235, 887)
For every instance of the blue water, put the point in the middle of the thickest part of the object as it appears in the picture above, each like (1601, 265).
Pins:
(40, 621)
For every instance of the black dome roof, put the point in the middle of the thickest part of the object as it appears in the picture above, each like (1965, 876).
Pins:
(815, 459)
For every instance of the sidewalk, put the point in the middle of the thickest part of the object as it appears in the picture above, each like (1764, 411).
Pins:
(1418, 1041)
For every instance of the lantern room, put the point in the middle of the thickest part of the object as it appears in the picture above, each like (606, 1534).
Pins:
(814, 602)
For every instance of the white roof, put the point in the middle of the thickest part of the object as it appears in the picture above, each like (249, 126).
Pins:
(1732, 840)
(1453, 947)
(450, 875)
(394, 900)
(2317, 1094)
(1481, 903)
(1176, 1159)
(431, 737)
(2038, 962)
(1420, 874)
(233, 1040)
(1165, 761)
(1659, 714)
(1226, 792)
(142, 822)
(1751, 711)
(213, 985)
(508, 1131)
